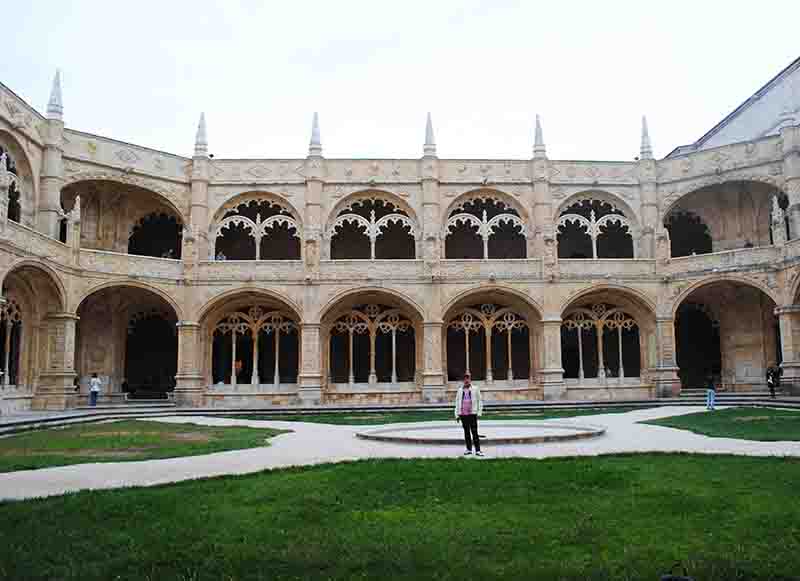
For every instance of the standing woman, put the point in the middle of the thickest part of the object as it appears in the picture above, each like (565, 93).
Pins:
(711, 394)
(469, 406)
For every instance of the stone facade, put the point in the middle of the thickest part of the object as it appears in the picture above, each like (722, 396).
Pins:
(323, 327)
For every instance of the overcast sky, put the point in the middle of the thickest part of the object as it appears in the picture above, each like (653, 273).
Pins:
(143, 71)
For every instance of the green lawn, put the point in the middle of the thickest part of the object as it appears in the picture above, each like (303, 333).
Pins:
(357, 418)
(123, 440)
(623, 517)
(766, 425)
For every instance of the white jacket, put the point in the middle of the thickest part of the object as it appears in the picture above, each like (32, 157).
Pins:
(477, 400)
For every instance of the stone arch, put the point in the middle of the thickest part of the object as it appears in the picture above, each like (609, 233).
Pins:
(256, 225)
(26, 180)
(372, 224)
(171, 199)
(126, 333)
(493, 193)
(372, 341)
(646, 303)
(370, 193)
(346, 298)
(519, 297)
(131, 284)
(731, 333)
(684, 293)
(47, 271)
(602, 195)
(216, 301)
(492, 333)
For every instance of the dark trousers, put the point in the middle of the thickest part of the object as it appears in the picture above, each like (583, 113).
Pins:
(92, 398)
(470, 425)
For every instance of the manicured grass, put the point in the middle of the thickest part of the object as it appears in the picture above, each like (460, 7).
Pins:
(766, 425)
(368, 418)
(123, 440)
(623, 517)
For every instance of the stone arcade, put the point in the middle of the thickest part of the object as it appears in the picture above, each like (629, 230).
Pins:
(228, 282)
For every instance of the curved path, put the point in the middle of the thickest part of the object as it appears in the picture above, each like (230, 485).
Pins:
(319, 443)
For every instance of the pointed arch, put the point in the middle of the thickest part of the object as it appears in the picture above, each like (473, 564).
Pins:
(166, 297)
(46, 271)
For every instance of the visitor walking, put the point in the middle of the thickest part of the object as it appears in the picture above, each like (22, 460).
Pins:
(94, 389)
(469, 406)
(711, 394)
(773, 379)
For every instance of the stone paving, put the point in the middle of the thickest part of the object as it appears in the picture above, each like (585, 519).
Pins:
(311, 443)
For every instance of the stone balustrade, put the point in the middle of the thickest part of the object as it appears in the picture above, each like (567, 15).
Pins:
(371, 269)
(267, 270)
(130, 265)
(741, 257)
(614, 267)
(37, 244)
(513, 268)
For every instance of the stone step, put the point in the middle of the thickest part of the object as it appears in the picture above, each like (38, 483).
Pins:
(158, 404)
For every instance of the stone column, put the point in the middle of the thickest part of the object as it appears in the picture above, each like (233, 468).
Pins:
(791, 175)
(57, 373)
(5, 184)
(666, 371)
(431, 226)
(310, 379)
(649, 212)
(197, 233)
(312, 220)
(789, 322)
(434, 381)
(551, 375)
(543, 227)
(190, 382)
(51, 178)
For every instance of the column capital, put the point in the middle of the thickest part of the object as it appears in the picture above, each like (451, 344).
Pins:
(785, 310)
(314, 325)
(551, 320)
(62, 316)
(187, 324)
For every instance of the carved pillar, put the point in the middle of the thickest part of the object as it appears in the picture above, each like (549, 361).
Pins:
(649, 212)
(51, 178)
(277, 379)
(791, 175)
(198, 227)
(431, 226)
(789, 324)
(666, 371)
(433, 378)
(489, 371)
(5, 184)
(310, 379)
(312, 226)
(189, 388)
(551, 374)
(74, 231)
(57, 373)
(254, 378)
(373, 376)
(542, 209)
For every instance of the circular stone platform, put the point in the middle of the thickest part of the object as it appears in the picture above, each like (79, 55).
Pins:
(492, 433)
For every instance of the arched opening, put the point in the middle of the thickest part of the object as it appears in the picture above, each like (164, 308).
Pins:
(729, 330)
(14, 194)
(128, 336)
(687, 233)
(125, 218)
(371, 344)
(592, 228)
(158, 235)
(485, 227)
(490, 340)
(10, 342)
(699, 353)
(735, 214)
(257, 229)
(372, 228)
(151, 355)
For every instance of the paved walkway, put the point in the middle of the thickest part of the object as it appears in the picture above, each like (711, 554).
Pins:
(318, 443)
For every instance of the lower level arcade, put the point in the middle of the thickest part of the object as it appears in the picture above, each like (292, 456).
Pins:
(251, 348)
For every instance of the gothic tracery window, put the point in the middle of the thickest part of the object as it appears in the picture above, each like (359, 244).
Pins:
(255, 346)
(14, 198)
(372, 228)
(10, 335)
(258, 230)
(485, 227)
(600, 341)
(372, 344)
(489, 341)
(592, 228)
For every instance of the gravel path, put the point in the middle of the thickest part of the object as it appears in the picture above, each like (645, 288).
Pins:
(318, 443)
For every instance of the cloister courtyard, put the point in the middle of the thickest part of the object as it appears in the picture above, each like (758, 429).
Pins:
(270, 495)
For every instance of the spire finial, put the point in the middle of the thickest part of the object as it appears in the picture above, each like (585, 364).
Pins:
(539, 150)
(646, 151)
(315, 145)
(55, 108)
(201, 139)
(430, 143)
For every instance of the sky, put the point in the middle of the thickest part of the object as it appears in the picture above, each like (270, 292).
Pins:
(142, 72)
